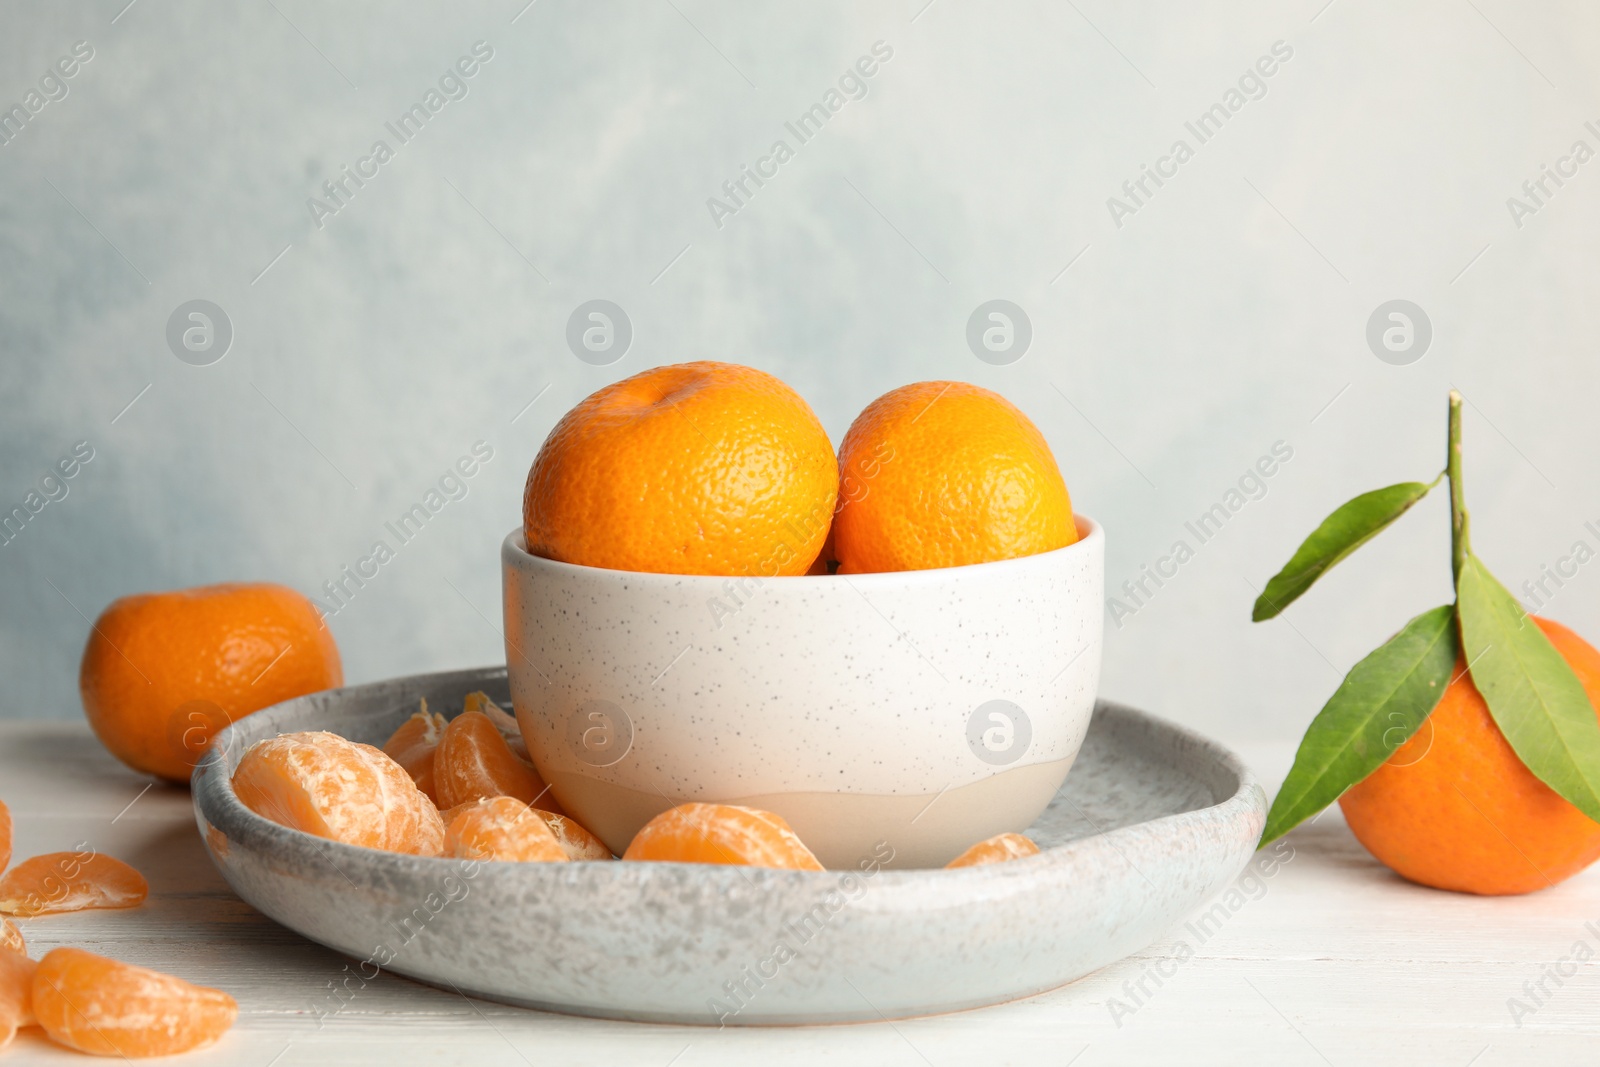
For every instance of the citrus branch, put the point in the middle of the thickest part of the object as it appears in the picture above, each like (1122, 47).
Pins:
(1460, 541)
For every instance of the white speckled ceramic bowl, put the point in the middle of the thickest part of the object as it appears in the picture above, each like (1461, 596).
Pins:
(928, 709)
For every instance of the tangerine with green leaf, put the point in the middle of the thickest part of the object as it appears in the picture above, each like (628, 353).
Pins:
(1455, 808)
(1465, 750)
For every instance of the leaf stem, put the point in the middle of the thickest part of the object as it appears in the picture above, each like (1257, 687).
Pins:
(1460, 539)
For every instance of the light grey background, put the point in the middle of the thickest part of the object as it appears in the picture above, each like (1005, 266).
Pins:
(1229, 313)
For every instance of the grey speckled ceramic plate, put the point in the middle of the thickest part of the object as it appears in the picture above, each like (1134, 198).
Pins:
(1152, 820)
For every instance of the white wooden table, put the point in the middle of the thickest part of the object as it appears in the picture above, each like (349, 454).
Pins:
(1330, 961)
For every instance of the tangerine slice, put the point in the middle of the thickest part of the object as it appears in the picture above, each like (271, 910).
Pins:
(322, 784)
(413, 744)
(721, 833)
(70, 881)
(5, 836)
(108, 1008)
(11, 938)
(475, 763)
(997, 849)
(16, 994)
(503, 721)
(577, 842)
(504, 829)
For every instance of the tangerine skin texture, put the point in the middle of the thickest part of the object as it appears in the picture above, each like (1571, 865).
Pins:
(59, 882)
(106, 1008)
(240, 647)
(1454, 808)
(997, 849)
(696, 468)
(322, 784)
(721, 833)
(502, 829)
(945, 474)
(5, 836)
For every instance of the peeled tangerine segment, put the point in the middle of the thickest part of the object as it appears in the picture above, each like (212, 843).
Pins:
(996, 849)
(474, 762)
(325, 785)
(577, 842)
(107, 1008)
(503, 722)
(5, 835)
(11, 938)
(503, 829)
(721, 833)
(413, 745)
(70, 881)
(16, 994)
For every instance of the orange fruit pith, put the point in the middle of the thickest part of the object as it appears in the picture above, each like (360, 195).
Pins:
(945, 474)
(696, 468)
(1455, 808)
(721, 833)
(16, 994)
(502, 829)
(11, 939)
(70, 881)
(474, 762)
(413, 744)
(322, 784)
(996, 849)
(576, 841)
(163, 672)
(107, 1008)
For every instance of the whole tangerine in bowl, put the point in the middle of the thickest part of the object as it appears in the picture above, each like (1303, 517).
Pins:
(673, 634)
(696, 468)
(946, 474)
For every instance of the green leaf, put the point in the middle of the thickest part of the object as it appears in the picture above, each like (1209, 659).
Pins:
(1352, 524)
(1535, 698)
(1377, 707)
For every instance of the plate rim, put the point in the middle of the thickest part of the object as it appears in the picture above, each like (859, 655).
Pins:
(217, 805)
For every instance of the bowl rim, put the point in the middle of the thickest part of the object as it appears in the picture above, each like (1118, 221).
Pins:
(1091, 540)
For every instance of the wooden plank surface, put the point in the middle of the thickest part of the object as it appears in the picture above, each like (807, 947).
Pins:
(1331, 960)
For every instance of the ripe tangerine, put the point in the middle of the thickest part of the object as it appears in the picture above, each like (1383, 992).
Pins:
(1454, 808)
